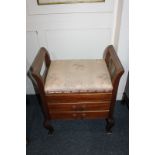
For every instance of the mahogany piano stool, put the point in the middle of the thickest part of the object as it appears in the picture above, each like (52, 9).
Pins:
(77, 89)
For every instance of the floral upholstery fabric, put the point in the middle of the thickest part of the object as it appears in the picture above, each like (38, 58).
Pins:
(65, 76)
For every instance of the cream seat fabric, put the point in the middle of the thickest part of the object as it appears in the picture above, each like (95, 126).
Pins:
(65, 76)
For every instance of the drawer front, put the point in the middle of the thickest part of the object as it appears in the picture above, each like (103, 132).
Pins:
(79, 106)
(78, 97)
(79, 115)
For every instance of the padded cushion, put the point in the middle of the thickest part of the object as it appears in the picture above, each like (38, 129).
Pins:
(65, 76)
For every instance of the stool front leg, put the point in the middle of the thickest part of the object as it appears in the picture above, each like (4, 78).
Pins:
(116, 70)
(109, 124)
(38, 80)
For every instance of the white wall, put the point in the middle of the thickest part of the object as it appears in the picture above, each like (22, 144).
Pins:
(70, 31)
(123, 46)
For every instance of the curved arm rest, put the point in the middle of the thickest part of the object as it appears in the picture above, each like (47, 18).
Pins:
(41, 57)
(116, 70)
(113, 63)
(37, 79)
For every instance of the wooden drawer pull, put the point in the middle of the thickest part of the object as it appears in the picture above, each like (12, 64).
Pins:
(83, 107)
(74, 115)
(74, 107)
(83, 115)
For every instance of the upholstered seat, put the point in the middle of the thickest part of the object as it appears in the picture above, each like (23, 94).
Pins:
(65, 76)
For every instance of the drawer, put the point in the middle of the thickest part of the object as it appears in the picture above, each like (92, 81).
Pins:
(79, 115)
(78, 97)
(79, 106)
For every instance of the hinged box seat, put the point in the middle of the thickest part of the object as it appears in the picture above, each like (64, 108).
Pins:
(67, 76)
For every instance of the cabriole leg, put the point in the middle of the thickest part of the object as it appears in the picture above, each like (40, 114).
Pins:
(109, 125)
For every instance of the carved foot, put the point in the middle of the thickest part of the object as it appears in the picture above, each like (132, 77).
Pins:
(109, 125)
(48, 127)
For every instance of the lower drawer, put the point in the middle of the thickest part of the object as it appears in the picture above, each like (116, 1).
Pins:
(79, 115)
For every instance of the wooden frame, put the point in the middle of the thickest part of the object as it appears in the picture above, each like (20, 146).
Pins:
(47, 2)
(77, 105)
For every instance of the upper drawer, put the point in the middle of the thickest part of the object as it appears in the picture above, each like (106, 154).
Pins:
(79, 106)
(78, 97)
